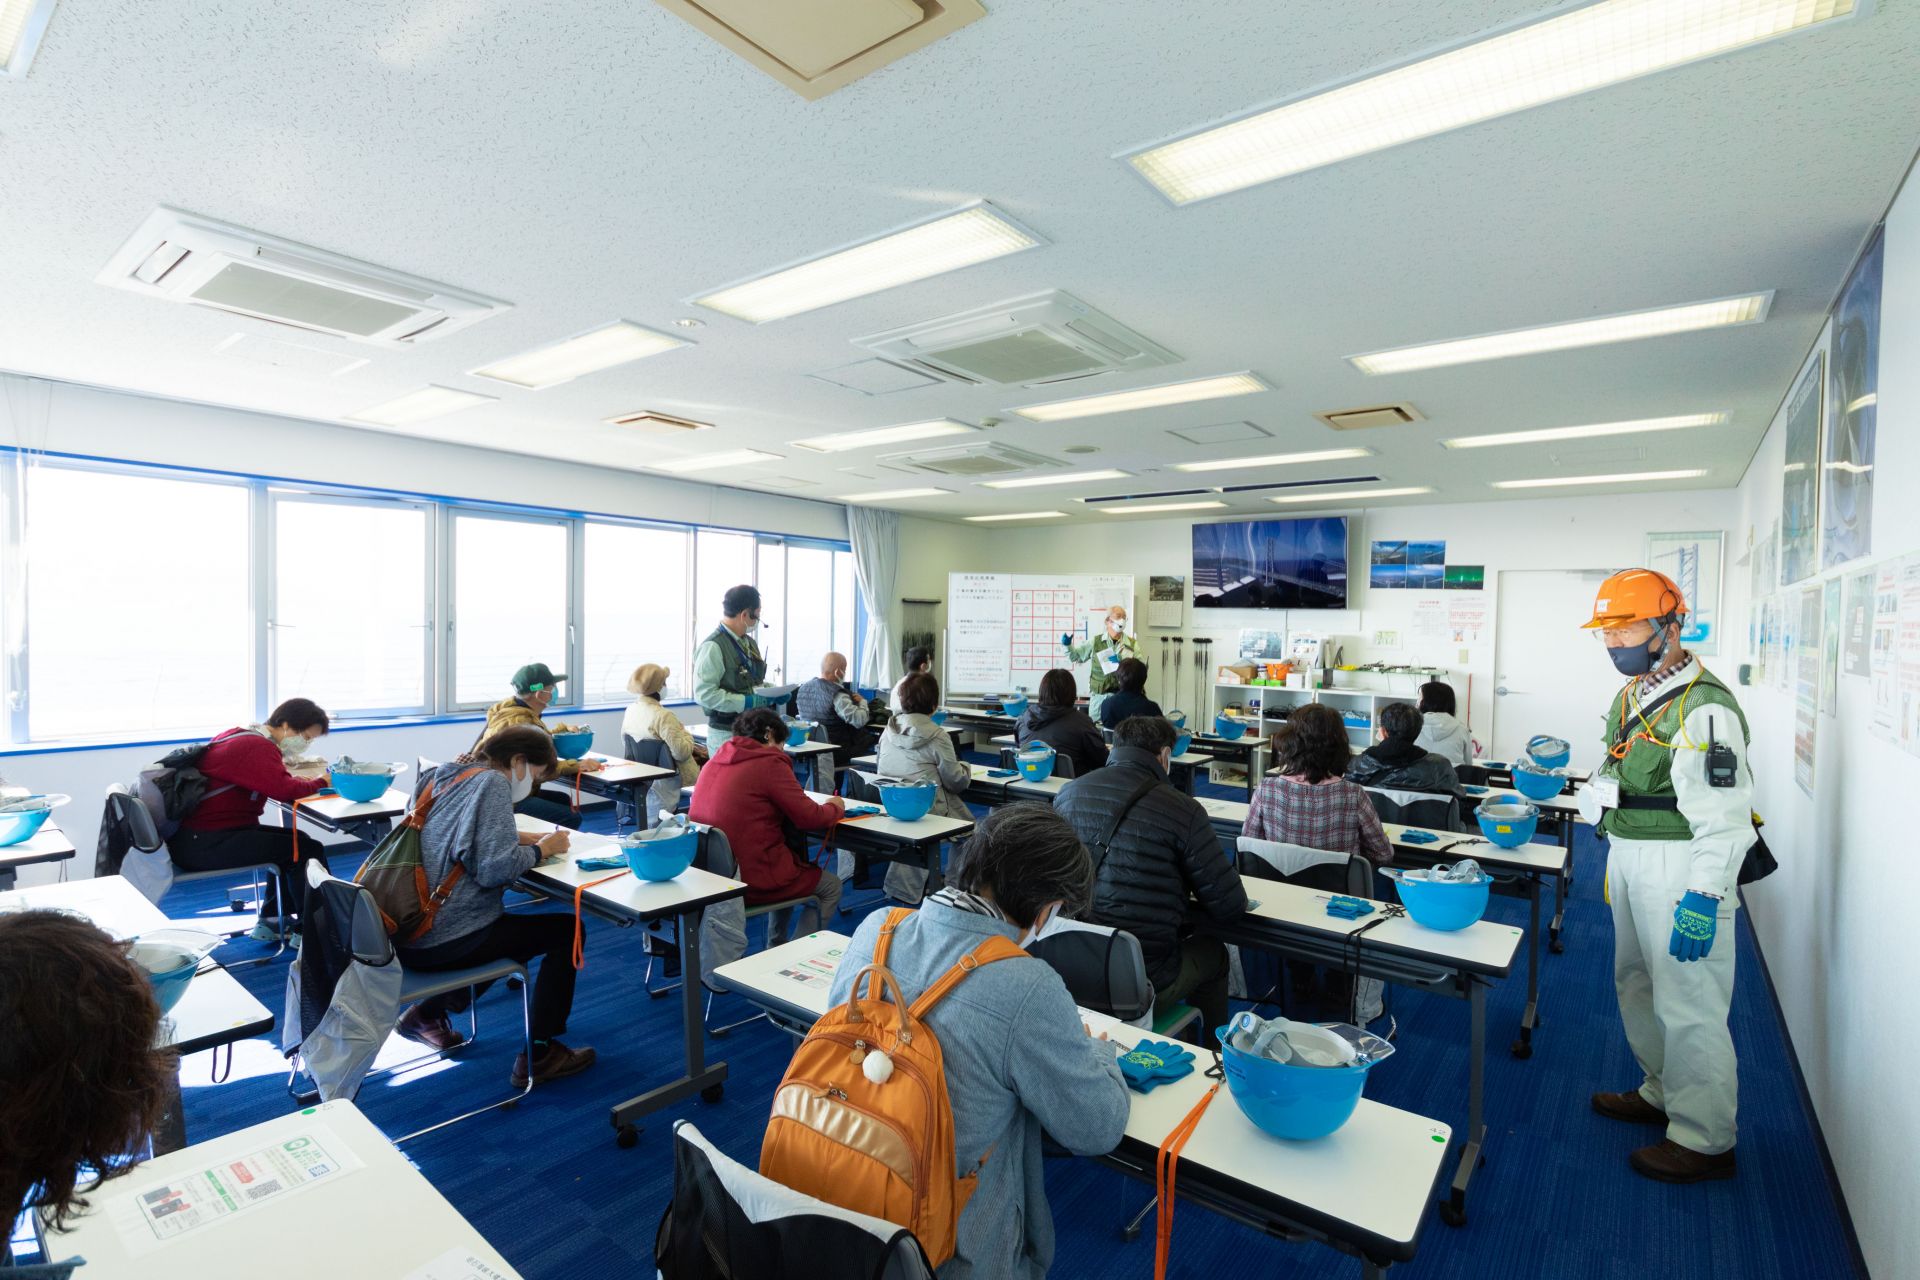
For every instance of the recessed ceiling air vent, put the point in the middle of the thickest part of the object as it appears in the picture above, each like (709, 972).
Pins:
(816, 46)
(1030, 342)
(969, 461)
(1383, 415)
(660, 424)
(183, 257)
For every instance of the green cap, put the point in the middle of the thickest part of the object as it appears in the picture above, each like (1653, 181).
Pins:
(534, 677)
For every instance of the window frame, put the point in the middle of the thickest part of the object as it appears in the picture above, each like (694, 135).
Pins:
(450, 515)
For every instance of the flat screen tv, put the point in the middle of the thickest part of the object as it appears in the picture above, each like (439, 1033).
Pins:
(1271, 564)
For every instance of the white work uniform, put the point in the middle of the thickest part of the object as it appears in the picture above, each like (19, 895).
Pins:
(1676, 1014)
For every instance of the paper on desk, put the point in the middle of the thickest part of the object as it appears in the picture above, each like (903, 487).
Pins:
(778, 691)
(457, 1264)
(157, 1213)
(815, 971)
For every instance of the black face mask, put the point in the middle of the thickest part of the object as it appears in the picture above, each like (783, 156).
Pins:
(1637, 659)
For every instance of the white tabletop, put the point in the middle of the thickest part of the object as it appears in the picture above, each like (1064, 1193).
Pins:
(339, 809)
(623, 894)
(48, 844)
(379, 1217)
(920, 831)
(617, 771)
(215, 1009)
(1484, 945)
(807, 748)
(1550, 858)
(1376, 1172)
(1018, 785)
(1230, 811)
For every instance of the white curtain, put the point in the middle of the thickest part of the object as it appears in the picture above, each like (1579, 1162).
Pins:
(875, 536)
(26, 413)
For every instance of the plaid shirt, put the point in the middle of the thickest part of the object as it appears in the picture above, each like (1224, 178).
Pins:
(1334, 815)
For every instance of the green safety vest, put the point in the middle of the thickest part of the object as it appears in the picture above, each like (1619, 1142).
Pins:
(1647, 767)
(1099, 681)
(745, 668)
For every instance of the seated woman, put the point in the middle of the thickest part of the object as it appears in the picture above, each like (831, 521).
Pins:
(748, 791)
(915, 749)
(1018, 1059)
(534, 687)
(1129, 698)
(1397, 762)
(471, 823)
(647, 721)
(1309, 802)
(919, 662)
(1440, 732)
(245, 768)
(84, 1084)
(1055, 719)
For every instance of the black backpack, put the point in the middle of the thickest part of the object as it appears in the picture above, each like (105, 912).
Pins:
(173, 785)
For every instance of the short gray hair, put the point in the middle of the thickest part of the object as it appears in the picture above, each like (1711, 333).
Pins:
(1025, 856)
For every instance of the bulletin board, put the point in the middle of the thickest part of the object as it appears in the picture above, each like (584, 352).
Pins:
(1004, 629)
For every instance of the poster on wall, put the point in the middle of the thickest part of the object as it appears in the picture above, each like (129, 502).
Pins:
(1693, 561)
(1806, 693)
(1387, 566)
(1419, 566)
(1800, 478)
(1166, 597)
(1886, 635)
(1906, 646)
(1846, 476)
(1830, 647)
(1766, 562)
(1859, 625)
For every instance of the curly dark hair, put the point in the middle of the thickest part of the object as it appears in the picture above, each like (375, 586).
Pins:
(84, 1084)
(760, 724)
(520, 740)
(1314, 743)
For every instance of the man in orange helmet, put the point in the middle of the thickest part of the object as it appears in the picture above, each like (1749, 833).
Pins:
(1674, 797)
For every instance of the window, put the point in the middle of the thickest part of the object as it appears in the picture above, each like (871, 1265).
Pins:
(510, 604)
(846, 592)
(122, 643)
(772, 580)
(356, 646)
(720, 560)
(809, 613)
(636, 609)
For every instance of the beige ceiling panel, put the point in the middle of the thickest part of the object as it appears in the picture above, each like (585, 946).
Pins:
(816, 46)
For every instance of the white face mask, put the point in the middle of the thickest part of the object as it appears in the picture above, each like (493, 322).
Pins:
(1040, 922)
(295, 744)
(520, 784)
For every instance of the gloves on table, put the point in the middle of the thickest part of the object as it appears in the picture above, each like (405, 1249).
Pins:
(1154, 1062)
(1694, 922)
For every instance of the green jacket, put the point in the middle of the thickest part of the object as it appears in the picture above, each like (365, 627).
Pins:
(1102, 681)
(726, 668)
(1647, 767)
(510, 713)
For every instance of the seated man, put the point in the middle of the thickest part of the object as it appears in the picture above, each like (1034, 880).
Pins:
(1129, 696)
(1397, 762)
(837, 707)
(534, 687)
(1154, 849)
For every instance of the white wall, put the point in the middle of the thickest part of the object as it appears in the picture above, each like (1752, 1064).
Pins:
(1552, 533)
(1833, 921)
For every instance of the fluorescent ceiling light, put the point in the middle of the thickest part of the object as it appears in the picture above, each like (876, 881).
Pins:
(944, 243)
(1718, 313)
(1554, 482)
(889, 495)
(1067, 477)
(1351, 495)
(1633, 427)
(590, 352)
(22, 23)
(1230, 384)
(708, 461)
(418, 406)
(841, 441)
(1160, 506)
(1543, 61)
(1018, 515)
(1273, 460)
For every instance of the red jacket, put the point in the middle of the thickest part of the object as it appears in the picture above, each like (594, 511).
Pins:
(748, 791)
(257, 772)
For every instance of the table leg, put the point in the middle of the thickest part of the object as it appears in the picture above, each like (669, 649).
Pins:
(1560, 906)
(706, 1080)
(1523, 1047)
(1453, 1210)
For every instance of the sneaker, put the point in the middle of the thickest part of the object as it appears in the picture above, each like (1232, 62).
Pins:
(435, 1033)
(556, 1061)
(1668, 1161)
(267, 929)
(1630, 1107)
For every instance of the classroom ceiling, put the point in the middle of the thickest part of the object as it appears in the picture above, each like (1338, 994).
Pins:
(592, 160)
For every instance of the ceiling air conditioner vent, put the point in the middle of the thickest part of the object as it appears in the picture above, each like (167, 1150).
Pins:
(969, 461)
(183, 257)
(1383, 415)
(660, 424)
(816, 46)
(1029, 342)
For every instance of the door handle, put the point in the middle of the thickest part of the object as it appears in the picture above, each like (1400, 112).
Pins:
(1500, 691)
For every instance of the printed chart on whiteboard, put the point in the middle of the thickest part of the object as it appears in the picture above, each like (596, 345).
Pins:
(1004, 629)
(1040, 617)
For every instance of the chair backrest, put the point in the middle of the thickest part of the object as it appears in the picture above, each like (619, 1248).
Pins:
(1471, 775)
(1103, 967)
(1416, 808)
(1063, 766)
(714, 853)
(727, 1222)
(132, 820)
(860, 787)
(653, 751)
(1298, 864)
(362, 930)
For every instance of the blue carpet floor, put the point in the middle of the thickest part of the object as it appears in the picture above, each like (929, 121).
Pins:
(545, 1183)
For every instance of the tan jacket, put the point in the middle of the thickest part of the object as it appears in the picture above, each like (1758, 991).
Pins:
(512, 713)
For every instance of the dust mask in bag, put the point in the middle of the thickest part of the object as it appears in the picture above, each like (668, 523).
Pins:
(520, 784)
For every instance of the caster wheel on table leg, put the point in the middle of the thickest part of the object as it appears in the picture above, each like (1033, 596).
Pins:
(712, 1093)
(1453, 1215)
(626, 1136)
(1557, 947)
(1522, 1049)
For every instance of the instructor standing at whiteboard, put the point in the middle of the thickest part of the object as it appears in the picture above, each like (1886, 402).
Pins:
(1105, 651)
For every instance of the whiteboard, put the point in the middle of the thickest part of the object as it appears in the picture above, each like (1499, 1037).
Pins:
(1004, 629)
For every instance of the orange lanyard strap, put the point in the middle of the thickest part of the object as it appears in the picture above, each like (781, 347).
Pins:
(579, 932)
(1166, 1162)
(293, 826)
(1619, 749)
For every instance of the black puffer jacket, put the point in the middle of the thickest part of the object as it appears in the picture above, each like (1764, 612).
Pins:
(1403, 768)
(1164, 852)
(1068, 731)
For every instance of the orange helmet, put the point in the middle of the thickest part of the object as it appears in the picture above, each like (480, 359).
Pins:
(1637, 595)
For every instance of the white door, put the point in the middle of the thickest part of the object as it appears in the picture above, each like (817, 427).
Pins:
(1549, 676)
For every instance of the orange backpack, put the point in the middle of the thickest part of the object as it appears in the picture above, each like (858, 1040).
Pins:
(880, 1146)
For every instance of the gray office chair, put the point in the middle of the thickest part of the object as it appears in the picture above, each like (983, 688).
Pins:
(1416, 808)
(1062, 764)
(653, 751)
(1105, 970)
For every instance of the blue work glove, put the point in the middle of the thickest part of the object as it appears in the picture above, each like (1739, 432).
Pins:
(1694, 922)
(752, 700)
(1066, 640)
(1154, 1062)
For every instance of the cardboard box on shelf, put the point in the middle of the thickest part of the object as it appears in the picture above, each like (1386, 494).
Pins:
(1237, 673)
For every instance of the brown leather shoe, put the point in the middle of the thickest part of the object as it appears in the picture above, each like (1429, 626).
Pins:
(1668, 1161)
(435, 1033)
(1630, 1107)
(556, 1061)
